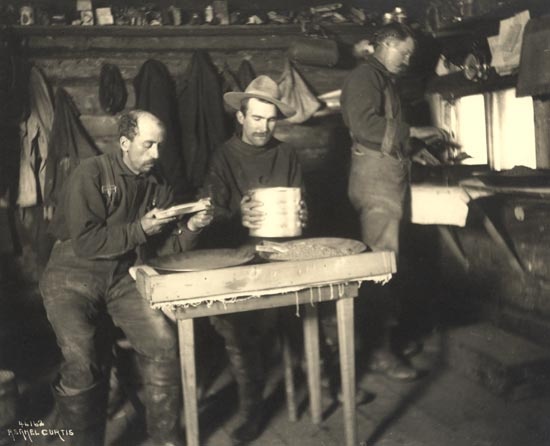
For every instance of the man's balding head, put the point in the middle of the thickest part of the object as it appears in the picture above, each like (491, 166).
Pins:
(128, 125)
(141, 134)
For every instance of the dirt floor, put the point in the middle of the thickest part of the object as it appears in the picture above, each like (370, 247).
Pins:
(442, 408)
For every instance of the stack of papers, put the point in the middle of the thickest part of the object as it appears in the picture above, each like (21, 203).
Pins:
(506, 47)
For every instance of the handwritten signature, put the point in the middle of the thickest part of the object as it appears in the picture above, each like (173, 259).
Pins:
(29, 429)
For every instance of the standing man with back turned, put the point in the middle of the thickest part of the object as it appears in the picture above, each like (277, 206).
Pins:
(107, 225)
(379, 181)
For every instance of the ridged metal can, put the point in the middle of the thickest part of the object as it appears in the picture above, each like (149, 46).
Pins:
(281, 206)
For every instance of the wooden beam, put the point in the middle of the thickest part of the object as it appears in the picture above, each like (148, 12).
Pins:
(106, 44)
(269, 278)
(162, 39)
(498, 239)
(344, 314)
(451, 242)
(186, 337)
(542, 135)
(311, 349)
(179, 31)
(303, 297)
(288, 363)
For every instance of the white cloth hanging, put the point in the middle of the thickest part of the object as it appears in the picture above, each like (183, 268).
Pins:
(296, 93)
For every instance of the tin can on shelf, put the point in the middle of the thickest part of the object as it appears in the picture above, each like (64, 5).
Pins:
(282, 207)
(26, 16)
(387, 18)
(400, 15)
(176, 15)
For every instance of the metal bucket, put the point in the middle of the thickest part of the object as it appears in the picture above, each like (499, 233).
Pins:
(281, 206)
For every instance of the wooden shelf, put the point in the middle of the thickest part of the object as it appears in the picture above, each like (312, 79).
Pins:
(184, 30)
(43, 40)
(456, 85)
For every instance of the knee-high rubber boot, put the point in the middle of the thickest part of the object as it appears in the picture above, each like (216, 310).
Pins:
(249, 374)
(162, 400)
(84, 414)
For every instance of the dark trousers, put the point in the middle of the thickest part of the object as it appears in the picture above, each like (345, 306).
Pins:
(76, 292)
(243, 334)
(378, 188)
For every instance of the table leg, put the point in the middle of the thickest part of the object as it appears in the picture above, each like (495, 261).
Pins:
(289, 376)
(186, 336)
(344, 311)
(311, 347)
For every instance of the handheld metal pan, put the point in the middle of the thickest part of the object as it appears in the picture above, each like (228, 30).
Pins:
(202, 259)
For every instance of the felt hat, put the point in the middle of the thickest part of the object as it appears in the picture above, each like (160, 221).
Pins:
(263, 87)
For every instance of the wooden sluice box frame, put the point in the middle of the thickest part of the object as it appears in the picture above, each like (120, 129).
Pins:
(271, 285)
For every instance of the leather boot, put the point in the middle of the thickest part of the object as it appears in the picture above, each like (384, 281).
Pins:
(84, 414)
(392, 366)
(248, 371)
(162, 399)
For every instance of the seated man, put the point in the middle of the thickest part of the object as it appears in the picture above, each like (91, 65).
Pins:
(107, 224)
(250, 160)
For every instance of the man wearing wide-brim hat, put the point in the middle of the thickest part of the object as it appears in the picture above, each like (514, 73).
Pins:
(250, 159)
(263, 88)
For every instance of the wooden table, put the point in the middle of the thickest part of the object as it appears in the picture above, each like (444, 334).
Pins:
(255, 287)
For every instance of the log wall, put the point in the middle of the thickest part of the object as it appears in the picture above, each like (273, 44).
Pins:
(71, 57)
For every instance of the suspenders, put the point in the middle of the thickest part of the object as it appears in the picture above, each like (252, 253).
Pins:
(391, 124)
(110, 191)
(388, 140)
(108, 186)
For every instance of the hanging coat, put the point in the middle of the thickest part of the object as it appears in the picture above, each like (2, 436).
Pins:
(112, 89)
(202, 117)
(14, 75)
(69, 143)
(35, 136)
(245, 74)
(156, 93)
(229, 80)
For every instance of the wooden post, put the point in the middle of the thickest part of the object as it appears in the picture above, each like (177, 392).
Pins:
(450, 240)
(311, 348)
(344, 314)
(186, 336)
(541, 108)
(289, 375)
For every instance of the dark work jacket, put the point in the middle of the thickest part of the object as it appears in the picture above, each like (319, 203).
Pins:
(69, 143)
(237, 167)
(101, 228)
(366, 93)
(156, 93)
(202, 118)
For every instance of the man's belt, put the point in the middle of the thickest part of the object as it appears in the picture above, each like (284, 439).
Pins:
(359, 149)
